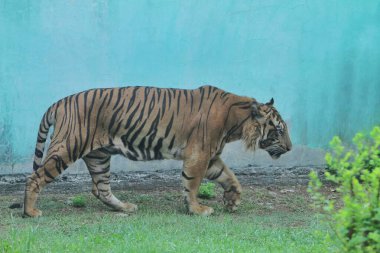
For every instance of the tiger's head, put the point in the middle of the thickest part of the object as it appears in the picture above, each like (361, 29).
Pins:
(266, 130)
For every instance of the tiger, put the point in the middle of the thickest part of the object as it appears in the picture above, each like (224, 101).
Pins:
(150, 123)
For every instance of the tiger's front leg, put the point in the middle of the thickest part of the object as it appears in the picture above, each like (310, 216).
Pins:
(219, 172)
(193, 172)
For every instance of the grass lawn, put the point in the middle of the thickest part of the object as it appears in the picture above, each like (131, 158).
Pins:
(269, 220)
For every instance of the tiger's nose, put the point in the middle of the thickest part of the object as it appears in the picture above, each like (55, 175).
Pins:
(288, 148)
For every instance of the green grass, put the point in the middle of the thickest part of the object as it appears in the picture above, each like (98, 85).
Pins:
(161, 225)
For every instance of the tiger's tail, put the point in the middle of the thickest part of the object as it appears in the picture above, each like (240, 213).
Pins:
(47, 121)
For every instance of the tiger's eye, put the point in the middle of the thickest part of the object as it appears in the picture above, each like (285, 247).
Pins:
(280, 130)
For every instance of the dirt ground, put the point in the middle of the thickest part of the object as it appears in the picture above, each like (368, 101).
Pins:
(162, 186)
(148, 180)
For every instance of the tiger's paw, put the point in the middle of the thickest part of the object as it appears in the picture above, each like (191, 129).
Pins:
(201, 210)
(231, 205)
(231, 200)
(129, 208)
(32, 213)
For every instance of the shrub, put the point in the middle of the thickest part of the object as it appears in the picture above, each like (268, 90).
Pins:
(207, 190)
(79, 201)
(356, 173)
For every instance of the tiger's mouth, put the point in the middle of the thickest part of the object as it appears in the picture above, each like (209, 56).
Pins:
(276, 152)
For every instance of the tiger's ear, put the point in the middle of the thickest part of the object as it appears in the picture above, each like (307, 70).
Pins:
(271, 102)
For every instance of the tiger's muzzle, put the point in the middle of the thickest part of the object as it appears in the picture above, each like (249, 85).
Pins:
(275, 151)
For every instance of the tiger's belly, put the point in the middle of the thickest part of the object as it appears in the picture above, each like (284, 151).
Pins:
(159, 151)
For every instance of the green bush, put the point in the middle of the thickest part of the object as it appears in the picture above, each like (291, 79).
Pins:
(79, 201)
(207, 190)
(356, 173)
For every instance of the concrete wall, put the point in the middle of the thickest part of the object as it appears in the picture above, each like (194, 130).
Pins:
(320, 60)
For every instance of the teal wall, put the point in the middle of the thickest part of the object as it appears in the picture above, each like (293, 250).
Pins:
(319, 59)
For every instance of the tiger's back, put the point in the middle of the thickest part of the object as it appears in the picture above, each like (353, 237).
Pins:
(142, 123)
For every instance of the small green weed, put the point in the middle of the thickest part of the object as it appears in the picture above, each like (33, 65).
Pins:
(207, 190)
(79, 201)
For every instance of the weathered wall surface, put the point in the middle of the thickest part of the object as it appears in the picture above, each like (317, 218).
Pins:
(320, 60)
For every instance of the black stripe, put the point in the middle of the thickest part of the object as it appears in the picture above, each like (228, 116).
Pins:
(169, 127)
(217, 175)
(97, 121)
(174, 92)
(43, 129)
(40, 139)
(138, 131)
(224, 94)
(68, 146)
(75, 150)
(111, 95)
(118, 99)
(209, 91)
(191, 101)
(48, 174)
(131, 157)
(130, 117)
(186, 176)
(102, 162)
(185, 93)
(171, 143)
(85, 106)
(132, 99)
(153, 131)
(202, 95)
(125, 137)
(157, 148)
(146, 92)
(141, 147)
(200, 121)
(211, 106)
(79, 123)
(151, 104)
(179, 102)
(88, 124)
(113, 118)
(163, 104)
(191, 133)
(38, 153)
(170, 98)
(35, 166)
(158, 94)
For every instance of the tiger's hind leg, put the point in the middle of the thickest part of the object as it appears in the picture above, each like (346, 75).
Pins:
(98, 164)
(219, 172)
(54, 165)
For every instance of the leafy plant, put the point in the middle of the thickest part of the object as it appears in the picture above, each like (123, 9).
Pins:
(207, 190)
(356, 172)
(79, 201)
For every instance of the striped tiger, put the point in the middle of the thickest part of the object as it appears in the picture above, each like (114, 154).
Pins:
(148, 123)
